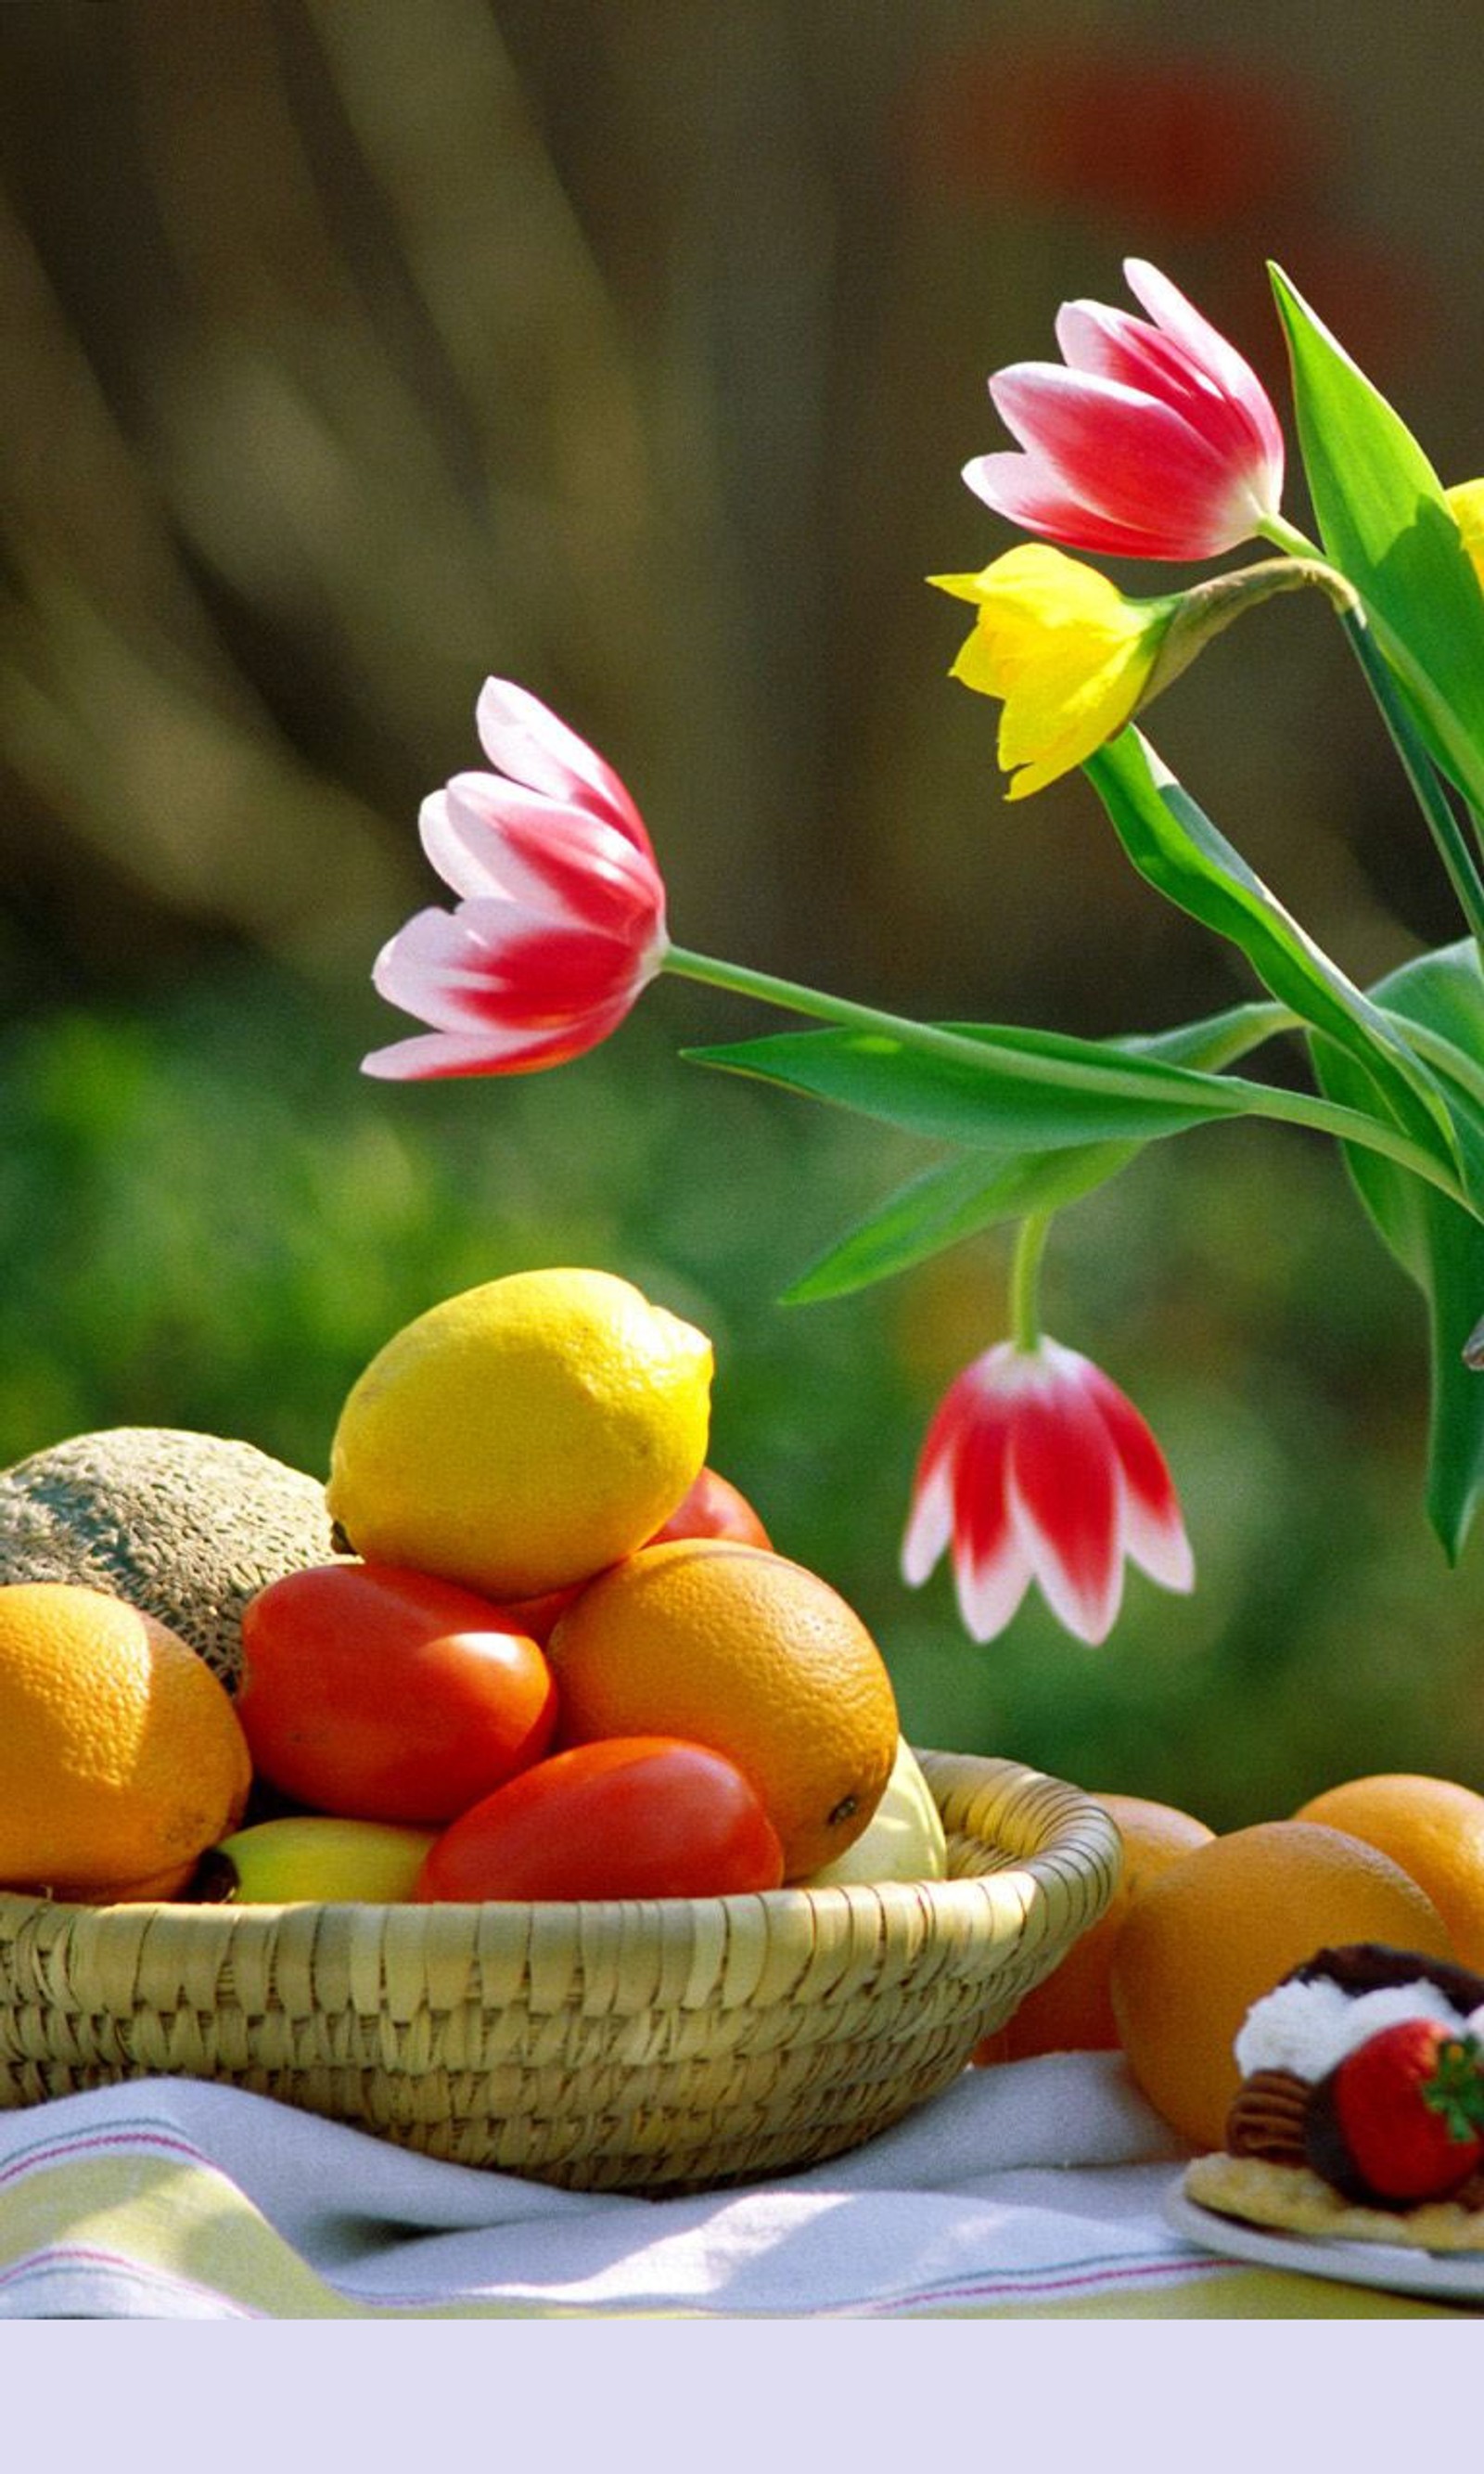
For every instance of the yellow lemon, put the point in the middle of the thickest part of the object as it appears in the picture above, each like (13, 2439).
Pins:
(523, 1434)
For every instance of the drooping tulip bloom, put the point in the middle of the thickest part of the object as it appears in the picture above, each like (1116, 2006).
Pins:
(1071, 656)
(1151, 439)
(1037, 1467)
(561, 920)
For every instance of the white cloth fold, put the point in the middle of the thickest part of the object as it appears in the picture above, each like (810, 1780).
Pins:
(1034, 2184)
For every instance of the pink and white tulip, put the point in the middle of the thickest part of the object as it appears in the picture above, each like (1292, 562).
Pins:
(1037, 1467)
(561, 920)
(1156, 440)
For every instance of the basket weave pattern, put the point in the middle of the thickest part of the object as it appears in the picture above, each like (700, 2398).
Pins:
(657, 2045)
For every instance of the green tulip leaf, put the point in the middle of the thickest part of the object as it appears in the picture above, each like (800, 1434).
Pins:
(1010, 1090)
(1178, 851)
(961, 1197)
(1006, 1089)
(958, 1199)
(1385, 523)
(1441, 998)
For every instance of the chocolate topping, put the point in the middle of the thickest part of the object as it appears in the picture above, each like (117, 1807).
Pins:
(1326, 2150)
(1367, 1966)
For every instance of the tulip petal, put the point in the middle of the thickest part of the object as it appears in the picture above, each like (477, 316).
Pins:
(1036, 1466)
(930, 1522)
(1146, 440)
(958, 1497)
(442, 1055)
(462, 829)
(1123, 452)
(990, 1592)
(1069, 1506)
(1154, 1532)
(1110, 343)
(991, 1568)
(1235, 378)
(489, 963)
(1107, 343)
(1160, 1546)
(1022, 490)
(522, 736)
(1103, 341)
(427, 956)
(486, 839)
(562, 919)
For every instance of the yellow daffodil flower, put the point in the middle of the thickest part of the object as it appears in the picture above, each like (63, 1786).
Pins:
(1070, 655)
(1466, 501)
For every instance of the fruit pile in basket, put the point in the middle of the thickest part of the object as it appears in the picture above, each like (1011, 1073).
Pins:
(525, 1644)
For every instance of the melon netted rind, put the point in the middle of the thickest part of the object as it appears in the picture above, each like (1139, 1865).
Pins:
(186, 1525)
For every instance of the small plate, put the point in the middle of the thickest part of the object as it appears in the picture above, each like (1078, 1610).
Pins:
(1391, 2267)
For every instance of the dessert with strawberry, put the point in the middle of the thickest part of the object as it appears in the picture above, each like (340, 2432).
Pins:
(1361, 2109)
(1400, 2118)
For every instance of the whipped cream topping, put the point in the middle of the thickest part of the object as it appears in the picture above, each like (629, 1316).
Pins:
(1309, 2028)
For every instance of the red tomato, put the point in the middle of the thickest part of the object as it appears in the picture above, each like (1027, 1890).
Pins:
(539, 1617)
(627, 1817)
(713, 1507)
(387, 1695)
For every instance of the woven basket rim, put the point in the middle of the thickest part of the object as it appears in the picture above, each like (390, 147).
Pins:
(1084, 1836)
(602, 2044)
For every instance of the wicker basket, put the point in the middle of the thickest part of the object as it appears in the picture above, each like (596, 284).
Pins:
(659, 2045)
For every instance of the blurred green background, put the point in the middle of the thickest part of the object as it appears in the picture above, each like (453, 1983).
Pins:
(357, 348)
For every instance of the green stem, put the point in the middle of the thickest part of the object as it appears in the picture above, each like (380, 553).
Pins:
(1447, 1059)
(1025, 1281)
(1453, 849)
(1437, 811)
(975, 1056)
(1286, 536)
(1346, 1125)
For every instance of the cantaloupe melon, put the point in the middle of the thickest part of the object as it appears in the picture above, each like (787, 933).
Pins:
(186, 1526)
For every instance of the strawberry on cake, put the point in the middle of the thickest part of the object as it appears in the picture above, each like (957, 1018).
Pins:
(1361, 2110)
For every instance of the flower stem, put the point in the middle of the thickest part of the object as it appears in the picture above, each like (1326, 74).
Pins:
(1001, 1060)
(1286, 536)
(1024, 1282)
(1437, 811)
(1452, 849)
(1448, 1059)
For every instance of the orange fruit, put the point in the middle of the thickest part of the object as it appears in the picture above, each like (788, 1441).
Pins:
(1220, 1926)
(1432, 1828)
(733, 1646)
(1071, 2011)
(121, 1756)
